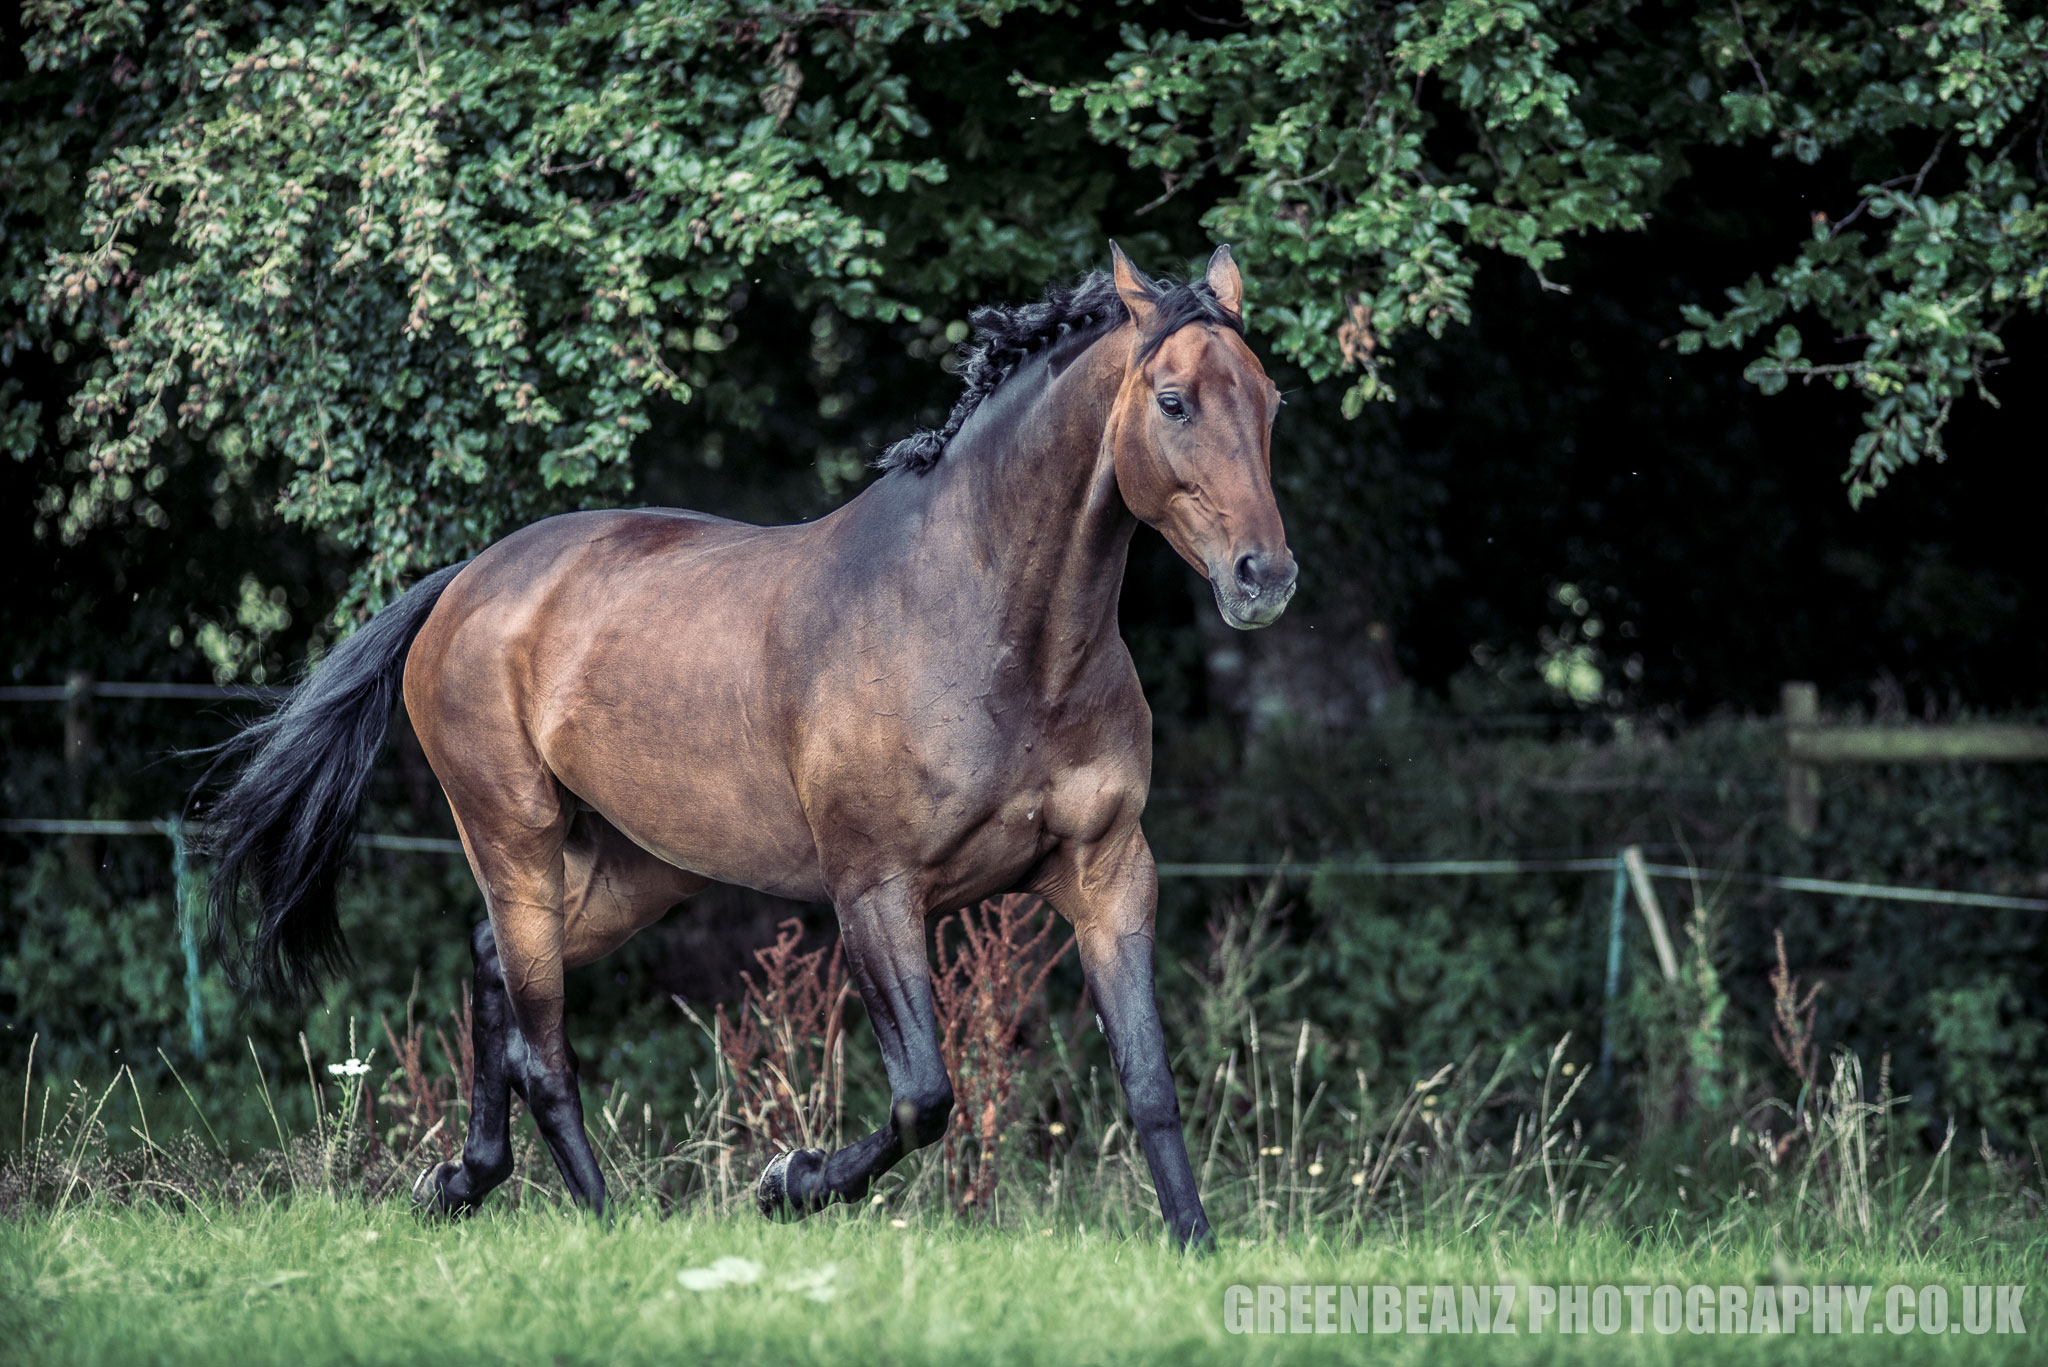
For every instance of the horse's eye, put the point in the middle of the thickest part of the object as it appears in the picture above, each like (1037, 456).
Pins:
(1172, 407)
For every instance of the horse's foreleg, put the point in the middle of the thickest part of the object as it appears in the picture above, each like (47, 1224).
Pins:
(884, 938)
(1110, 892)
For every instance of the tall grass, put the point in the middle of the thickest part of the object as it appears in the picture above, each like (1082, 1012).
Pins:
(1283, 1155)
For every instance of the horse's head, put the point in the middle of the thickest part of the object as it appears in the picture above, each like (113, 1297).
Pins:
(1191, 434)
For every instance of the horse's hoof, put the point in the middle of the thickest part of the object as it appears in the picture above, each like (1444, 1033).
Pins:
(771, 1193)
(429, 1193)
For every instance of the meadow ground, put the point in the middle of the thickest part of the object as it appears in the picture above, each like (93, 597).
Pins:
(312, 1279)
(127, 1237)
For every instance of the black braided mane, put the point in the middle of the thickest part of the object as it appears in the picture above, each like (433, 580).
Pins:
(1005, 335)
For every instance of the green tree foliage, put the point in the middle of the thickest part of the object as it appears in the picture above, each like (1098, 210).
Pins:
(1927, 295)
(441, 263)
(1370, 148)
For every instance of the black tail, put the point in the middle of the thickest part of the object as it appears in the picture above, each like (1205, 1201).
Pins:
(287, 822)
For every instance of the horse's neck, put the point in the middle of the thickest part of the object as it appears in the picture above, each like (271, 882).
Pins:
(1046, 527)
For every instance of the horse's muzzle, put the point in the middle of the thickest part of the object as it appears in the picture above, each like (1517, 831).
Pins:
(1257, 589)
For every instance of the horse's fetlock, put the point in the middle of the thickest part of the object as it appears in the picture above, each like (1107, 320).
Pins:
(922, 1116)
(489, 1168)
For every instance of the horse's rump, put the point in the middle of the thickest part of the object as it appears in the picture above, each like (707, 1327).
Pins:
(621, 657)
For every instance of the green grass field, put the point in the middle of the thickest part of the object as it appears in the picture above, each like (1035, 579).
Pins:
(314, 1280)
(130, 1239)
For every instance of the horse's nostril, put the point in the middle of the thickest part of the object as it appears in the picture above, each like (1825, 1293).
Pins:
(1248, 574)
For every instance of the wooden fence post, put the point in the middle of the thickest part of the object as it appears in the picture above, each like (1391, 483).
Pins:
(1809, 744)
(1653, 914)
(1800, 703)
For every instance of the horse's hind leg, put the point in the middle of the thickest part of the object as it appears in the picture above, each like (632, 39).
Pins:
(539, 1061)
(505, 1064)
(611, 889)
(506, 1061)
(514, 824)
(457, 1188)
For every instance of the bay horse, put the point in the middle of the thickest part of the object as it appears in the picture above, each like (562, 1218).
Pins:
(916, 701)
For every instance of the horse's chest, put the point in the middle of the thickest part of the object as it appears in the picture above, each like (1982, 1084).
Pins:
(973, 794)
(1021, 759)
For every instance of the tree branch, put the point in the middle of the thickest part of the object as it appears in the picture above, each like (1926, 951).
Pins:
(1742, 36)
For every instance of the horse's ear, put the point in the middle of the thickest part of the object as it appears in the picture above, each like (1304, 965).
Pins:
(1136, 291)
(1224, 280)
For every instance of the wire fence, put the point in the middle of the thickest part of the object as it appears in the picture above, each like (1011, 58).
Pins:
(87, 688)
(83, 687)
(1627, 867)
(1364, 868)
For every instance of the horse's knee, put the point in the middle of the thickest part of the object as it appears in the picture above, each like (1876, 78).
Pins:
(922, 1114)
(1155, 1110)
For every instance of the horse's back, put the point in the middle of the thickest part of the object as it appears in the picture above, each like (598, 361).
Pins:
(605, 534)
(533, 578)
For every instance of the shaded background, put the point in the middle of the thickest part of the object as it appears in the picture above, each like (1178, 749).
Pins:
(1567, 555)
